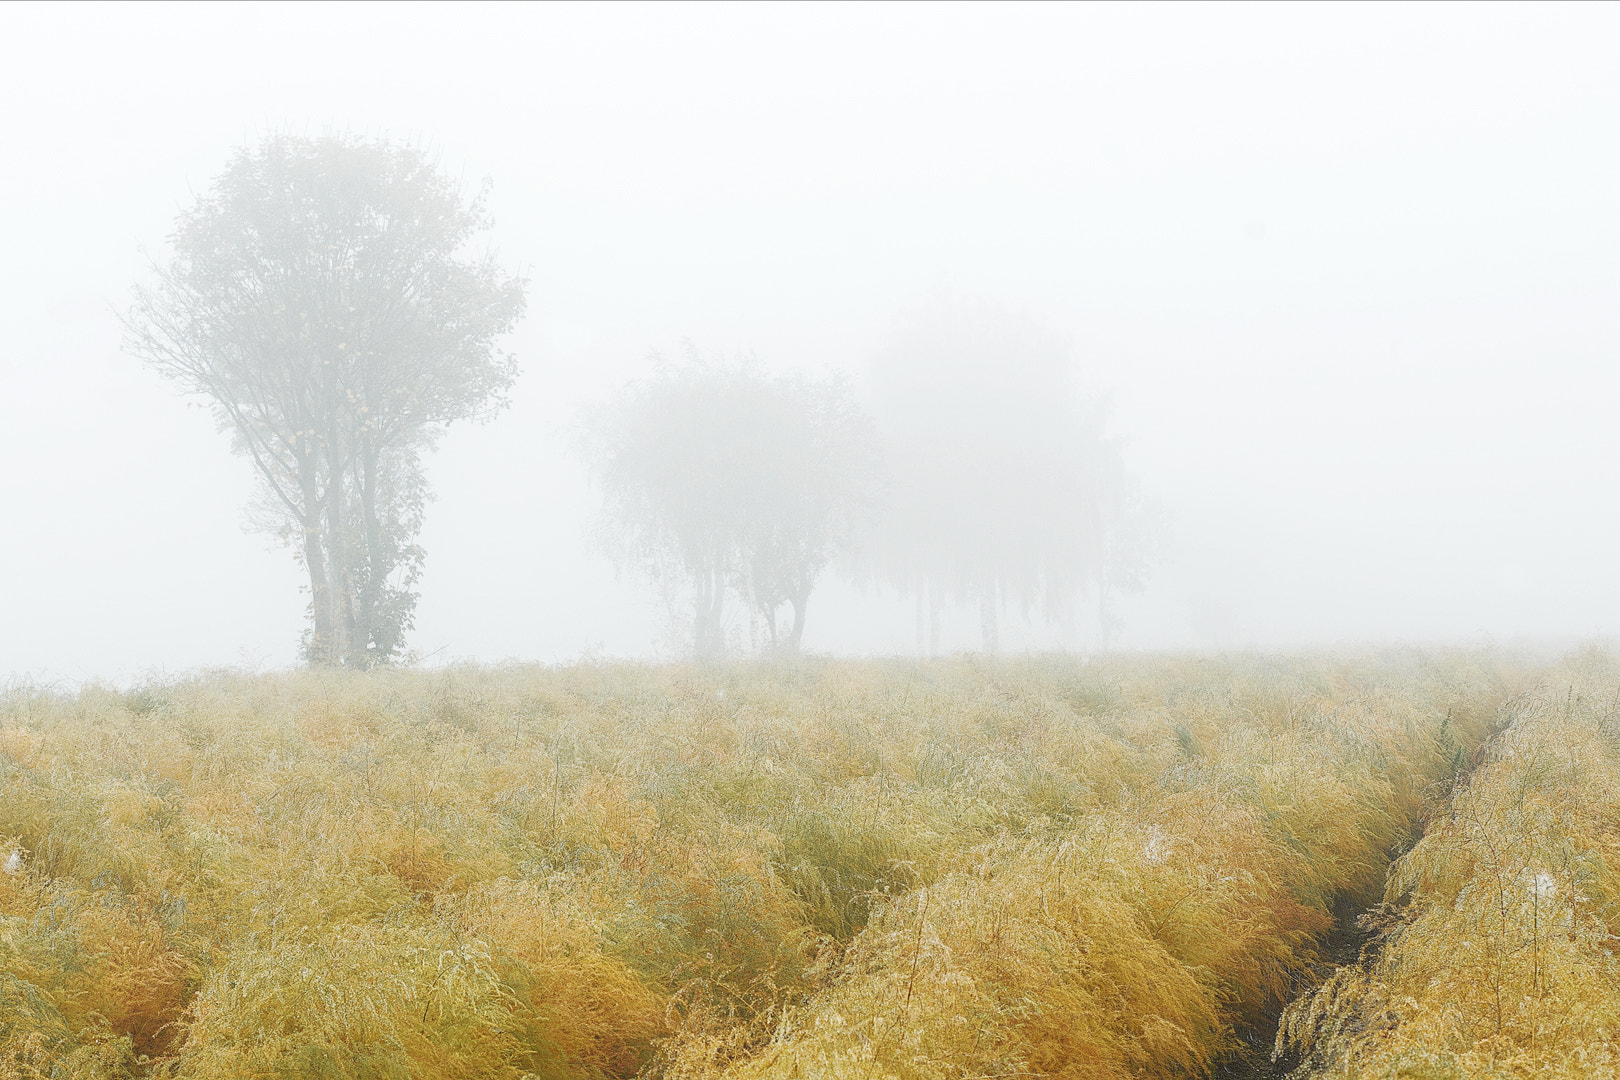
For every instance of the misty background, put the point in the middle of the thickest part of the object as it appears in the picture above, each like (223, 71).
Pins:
(1348, 276)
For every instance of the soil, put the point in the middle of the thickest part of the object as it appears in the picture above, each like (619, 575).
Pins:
(1252, 1061)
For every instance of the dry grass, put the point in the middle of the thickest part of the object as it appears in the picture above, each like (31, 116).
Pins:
(827, 869)
(1503, 921)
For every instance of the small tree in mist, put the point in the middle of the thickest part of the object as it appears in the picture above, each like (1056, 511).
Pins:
(719, 478)
(1005, 486)
(319, 297)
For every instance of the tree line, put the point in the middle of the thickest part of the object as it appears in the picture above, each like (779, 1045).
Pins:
(325, 298)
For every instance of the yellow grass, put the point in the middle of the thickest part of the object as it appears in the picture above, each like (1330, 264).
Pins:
(829, 869)
(1500, 956)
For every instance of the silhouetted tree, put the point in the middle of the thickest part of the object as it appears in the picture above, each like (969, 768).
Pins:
(720, 478)
(321, 298)
(1004, 484)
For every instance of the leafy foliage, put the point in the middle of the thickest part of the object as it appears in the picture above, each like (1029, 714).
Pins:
(319, 299)
(720, 478)
(1005, 487)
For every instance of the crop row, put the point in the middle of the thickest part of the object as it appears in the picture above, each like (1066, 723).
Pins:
(826, 869)
(1497, 954)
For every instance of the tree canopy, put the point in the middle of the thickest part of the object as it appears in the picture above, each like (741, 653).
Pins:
(322, 298)
(721, 479)
(1005, 486)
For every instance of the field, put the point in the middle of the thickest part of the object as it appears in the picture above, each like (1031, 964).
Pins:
(1044, 867)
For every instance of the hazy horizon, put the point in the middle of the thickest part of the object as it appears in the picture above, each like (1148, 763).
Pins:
(1346, 274)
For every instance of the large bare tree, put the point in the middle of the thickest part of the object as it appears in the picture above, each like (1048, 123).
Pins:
(322, 297)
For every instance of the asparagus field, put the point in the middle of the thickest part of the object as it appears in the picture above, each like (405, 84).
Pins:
(1125, 868)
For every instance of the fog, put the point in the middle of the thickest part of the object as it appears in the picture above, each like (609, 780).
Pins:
(1346, 277)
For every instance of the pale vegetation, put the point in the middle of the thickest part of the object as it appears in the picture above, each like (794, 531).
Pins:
(1006, 488)
(721, 479)
(322, 302)
(824, 869)
(1502, 921)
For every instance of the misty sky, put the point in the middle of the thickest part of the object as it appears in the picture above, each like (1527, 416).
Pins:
(1351, 274)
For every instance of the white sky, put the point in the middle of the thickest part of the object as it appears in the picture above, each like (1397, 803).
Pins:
(1351, 272)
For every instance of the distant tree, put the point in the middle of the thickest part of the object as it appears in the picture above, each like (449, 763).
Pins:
(720, 478)
(1005, 488)
(814, 483)
(319, 296)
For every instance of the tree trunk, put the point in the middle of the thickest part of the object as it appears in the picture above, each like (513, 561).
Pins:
(371, 595)
(320, 604)
(707, 632)
(799, 604)
(935, 602)
(700, 620)
(341, 584)
(922, 602)
(759, 612)
(717, 615)
(1107, 620)
(987, 621)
